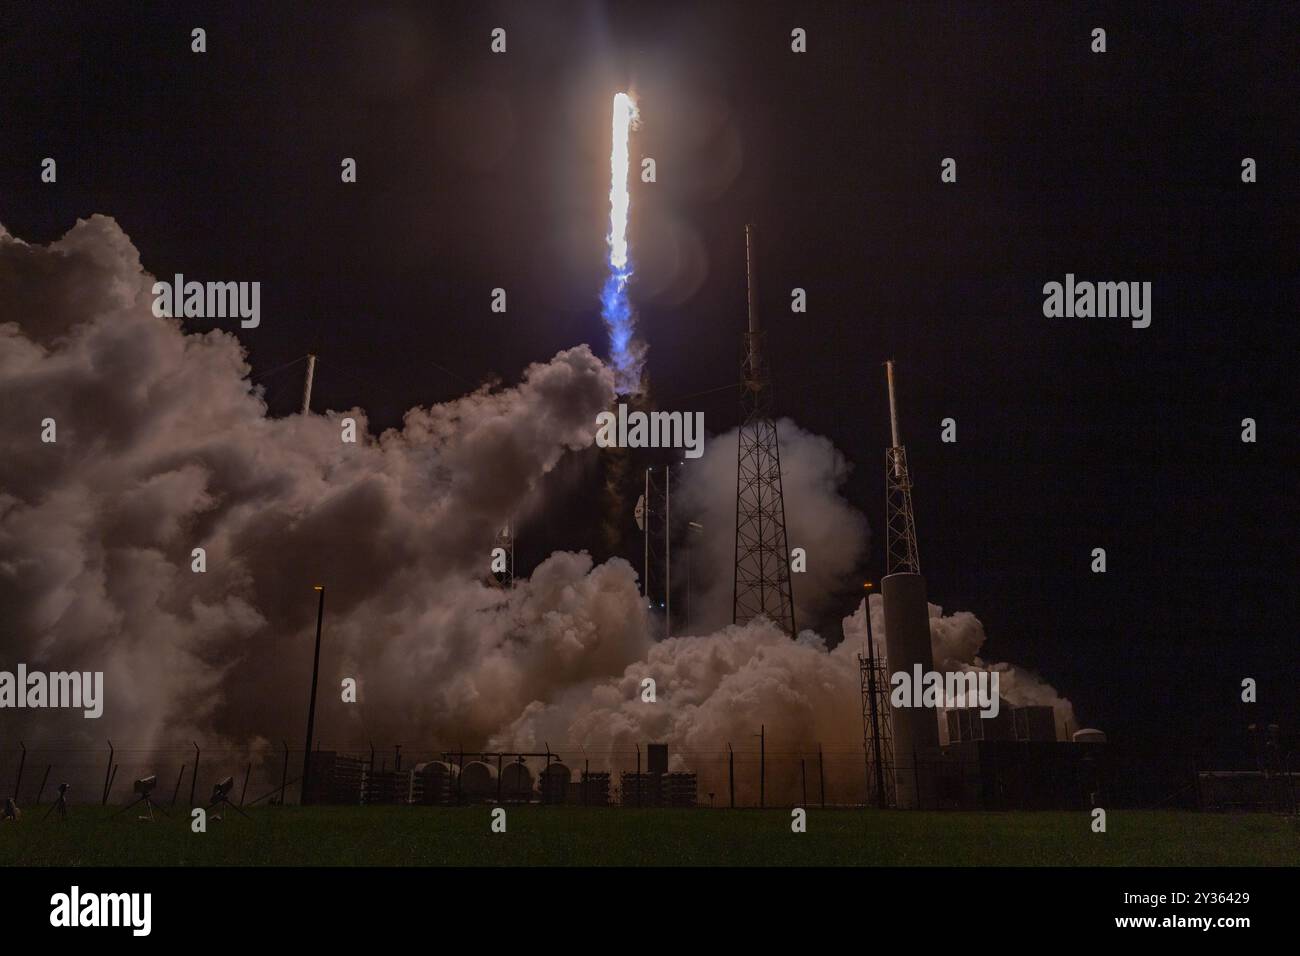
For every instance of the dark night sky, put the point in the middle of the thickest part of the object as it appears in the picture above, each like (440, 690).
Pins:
(479, 171)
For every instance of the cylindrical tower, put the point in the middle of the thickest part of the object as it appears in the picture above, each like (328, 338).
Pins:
(915, 728)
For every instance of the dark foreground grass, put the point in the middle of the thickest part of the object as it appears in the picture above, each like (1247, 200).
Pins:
(565, 836)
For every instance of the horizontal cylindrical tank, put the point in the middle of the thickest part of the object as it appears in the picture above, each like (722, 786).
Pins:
(915, 728)
(516, 781)
(1089, 735)
(436, 768)
(478, 780)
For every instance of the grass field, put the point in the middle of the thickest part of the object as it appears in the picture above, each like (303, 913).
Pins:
(565, 836)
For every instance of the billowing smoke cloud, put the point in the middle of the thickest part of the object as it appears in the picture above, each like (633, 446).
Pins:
(164, 446)
(724, 687)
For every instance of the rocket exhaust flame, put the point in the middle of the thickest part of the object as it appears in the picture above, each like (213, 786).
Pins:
(624, 118)
(626, 353)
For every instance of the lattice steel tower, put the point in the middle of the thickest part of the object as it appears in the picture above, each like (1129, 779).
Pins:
(900, 525)
(762, 579)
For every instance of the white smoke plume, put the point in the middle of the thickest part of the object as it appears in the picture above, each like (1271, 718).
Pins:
(163, 445)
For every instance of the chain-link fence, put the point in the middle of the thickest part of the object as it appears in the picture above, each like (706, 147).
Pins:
(975, 776)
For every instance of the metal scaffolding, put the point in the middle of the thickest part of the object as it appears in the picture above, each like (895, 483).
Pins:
(877, 734)
(900, 525)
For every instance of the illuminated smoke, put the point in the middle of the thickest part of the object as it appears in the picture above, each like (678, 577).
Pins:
(626, 352)
(165, 445)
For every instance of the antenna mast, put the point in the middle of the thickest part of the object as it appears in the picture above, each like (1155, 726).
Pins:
(762, 576)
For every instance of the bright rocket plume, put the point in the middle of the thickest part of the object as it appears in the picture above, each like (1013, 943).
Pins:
(627, 354)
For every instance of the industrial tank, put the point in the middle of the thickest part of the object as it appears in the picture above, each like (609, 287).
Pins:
(516, 782)
(435, 782)
(478, 781)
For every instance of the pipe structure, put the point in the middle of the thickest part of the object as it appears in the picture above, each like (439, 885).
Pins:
(893, 404)
(893, 414)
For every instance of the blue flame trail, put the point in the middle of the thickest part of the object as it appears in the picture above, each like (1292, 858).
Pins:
(626, 352)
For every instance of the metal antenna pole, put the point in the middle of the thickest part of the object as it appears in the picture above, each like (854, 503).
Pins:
(731, 775)
(668, 554)
(311, 707)
(761, 582)
(645, 521)
(107, 770)
(821, 777)
(22, 762)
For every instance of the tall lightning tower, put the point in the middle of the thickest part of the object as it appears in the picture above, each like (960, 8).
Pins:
(914, 731)
(762, 578)
(900, 524)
